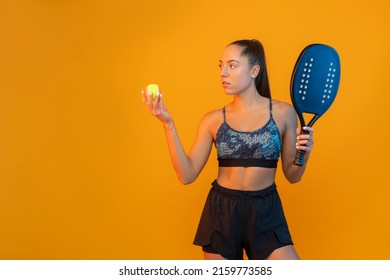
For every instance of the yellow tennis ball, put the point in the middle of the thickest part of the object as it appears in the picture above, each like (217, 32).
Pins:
(153, 90)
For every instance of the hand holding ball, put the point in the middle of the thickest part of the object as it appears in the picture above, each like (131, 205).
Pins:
(152, 90)
(156, 106)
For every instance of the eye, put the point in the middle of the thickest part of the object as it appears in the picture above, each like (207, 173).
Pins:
(232, 66)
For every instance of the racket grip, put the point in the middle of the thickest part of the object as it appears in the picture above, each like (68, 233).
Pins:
(299, 158)
(300, 154)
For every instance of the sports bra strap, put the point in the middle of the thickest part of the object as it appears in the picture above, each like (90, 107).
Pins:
(224, 111)
(224, 115)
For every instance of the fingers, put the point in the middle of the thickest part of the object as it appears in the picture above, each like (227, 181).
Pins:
(307, 130)
(155, 106)
(305, 140)
(160, 104)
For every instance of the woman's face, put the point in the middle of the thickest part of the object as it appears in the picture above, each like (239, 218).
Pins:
(237, 75)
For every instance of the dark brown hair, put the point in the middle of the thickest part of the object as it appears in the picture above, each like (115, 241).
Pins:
(254, 51)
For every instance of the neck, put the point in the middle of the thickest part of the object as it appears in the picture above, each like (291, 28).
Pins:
(247, 101)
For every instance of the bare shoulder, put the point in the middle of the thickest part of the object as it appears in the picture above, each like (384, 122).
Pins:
(284, 114)
(212, 116)
(282, 109)
(212, 120)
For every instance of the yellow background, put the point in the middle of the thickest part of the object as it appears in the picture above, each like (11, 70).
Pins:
(84, 168)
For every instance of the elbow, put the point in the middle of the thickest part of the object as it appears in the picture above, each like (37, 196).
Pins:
(186, 180)
(187, 176)
(294, 180)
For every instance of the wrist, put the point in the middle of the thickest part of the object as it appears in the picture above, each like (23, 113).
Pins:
(168, 125)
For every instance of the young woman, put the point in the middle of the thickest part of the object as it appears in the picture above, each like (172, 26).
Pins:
(243, 211)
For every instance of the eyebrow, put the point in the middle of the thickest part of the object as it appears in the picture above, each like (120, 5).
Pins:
(229, 61)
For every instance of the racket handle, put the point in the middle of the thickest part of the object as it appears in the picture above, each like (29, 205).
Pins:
(299, 158)
(300, 154)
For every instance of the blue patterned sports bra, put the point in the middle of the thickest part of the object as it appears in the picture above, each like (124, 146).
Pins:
(260, 147)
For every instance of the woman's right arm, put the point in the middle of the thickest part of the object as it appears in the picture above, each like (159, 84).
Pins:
(187, 166)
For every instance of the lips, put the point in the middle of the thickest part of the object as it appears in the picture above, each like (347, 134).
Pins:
(225, 84)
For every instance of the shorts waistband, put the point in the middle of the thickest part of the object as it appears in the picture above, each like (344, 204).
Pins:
(240, 193)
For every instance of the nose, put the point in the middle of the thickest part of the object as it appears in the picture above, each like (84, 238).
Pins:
(224, 71)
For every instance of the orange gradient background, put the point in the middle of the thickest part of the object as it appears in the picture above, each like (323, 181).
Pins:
(84, 168)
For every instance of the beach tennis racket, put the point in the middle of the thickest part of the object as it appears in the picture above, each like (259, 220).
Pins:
(314, 84)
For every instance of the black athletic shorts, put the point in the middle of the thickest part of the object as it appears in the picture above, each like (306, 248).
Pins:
(233, 221)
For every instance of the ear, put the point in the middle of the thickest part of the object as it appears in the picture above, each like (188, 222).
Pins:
(255, 71)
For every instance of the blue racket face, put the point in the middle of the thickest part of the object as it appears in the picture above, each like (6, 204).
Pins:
(315, 80)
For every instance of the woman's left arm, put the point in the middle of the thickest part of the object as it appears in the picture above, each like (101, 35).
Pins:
(293, 141)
